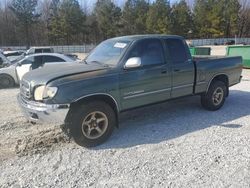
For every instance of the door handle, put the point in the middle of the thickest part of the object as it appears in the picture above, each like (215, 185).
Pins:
(177, 70)
(164, 72)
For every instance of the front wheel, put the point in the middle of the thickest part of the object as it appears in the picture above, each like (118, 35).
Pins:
(215, 97)
(6, 81)
(92, 123)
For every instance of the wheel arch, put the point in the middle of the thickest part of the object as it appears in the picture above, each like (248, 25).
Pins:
(107, 98)
(220, 77)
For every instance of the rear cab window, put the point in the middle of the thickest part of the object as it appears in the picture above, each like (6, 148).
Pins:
(176, 50)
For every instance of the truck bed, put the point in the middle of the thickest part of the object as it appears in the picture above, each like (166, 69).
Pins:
(207, 67)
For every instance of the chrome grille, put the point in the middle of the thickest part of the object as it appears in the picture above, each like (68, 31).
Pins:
(25, 89)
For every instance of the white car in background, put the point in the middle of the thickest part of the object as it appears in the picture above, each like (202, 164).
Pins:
(10, 76)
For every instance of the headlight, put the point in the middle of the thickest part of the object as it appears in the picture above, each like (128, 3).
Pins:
(49, 92)
(38, 95)
(43, 92)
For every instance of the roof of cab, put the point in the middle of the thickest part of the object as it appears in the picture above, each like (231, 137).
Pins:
(137, 37)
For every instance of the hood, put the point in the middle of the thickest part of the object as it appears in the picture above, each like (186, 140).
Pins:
(42, 76)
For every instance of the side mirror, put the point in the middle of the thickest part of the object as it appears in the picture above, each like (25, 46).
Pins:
(19, 63)
(1, 61)
(133, 62)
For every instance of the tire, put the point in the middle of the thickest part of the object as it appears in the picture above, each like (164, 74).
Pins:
(6, 81)
(83, 124)
(215, 97)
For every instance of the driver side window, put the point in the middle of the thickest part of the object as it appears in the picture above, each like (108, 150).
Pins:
(150, 51)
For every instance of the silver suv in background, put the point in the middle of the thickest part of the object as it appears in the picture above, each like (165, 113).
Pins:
(35, 50)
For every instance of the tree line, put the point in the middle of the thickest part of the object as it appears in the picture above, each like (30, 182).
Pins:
(66, 22)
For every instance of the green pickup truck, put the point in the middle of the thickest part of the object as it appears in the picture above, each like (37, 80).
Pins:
(121, 74)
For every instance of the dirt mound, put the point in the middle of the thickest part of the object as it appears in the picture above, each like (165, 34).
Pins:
(41, 142)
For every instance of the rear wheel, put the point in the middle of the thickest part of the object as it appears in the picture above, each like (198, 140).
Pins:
(92, 123)
(6, 81)
(215, 97)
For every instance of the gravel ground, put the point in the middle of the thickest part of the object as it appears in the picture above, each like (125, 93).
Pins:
(174, 144)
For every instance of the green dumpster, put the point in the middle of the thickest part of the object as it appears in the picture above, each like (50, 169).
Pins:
(243, 51)
(192, 50)
(200, 50)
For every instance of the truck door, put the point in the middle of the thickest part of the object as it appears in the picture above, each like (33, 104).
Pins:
(149, 83)
(182, 68)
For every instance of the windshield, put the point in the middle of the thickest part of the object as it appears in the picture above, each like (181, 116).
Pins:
(108, 52)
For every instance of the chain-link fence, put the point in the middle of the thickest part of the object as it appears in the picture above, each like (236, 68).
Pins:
(219, 41)
(89, 47)
(58, 49)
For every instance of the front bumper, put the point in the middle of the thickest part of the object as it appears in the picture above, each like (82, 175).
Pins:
(43, 113)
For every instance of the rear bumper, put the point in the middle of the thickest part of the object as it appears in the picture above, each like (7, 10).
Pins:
(43, 113)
